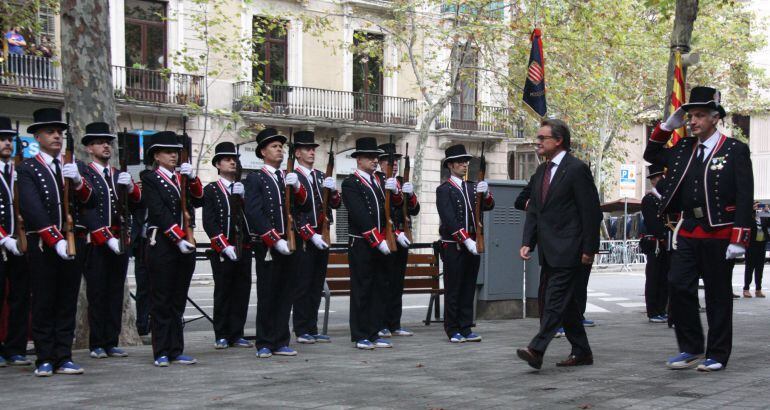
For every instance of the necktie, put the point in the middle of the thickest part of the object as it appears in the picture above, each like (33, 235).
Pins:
(108, 179)
(7, 174)
(230, 187)
(470, 205)
(546, 181)
(701, 151)
(57, 170)
(279, 176)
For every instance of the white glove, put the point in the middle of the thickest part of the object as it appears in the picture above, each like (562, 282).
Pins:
(11, 245)
(185, 247)
(187, 169)
(734, 251)
(319, 242)
(402, 240)
(674, 121)
(61, 250)
(124, 178)
(71, 171)
(383, 247)
(114, 245)
(282, 246)
(392, 185)
(292, 180)
(329, 183)
(230, 253)
(471, 245)
(408, 188)
(238, 189)
(482, 187)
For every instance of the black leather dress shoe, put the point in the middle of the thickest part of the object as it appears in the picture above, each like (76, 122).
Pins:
(533, 358)
(573, 360)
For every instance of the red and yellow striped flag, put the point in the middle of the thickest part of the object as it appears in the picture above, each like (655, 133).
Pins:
(677, 97)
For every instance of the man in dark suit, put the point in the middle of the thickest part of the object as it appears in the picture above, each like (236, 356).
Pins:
(755, 254)
(563, 218)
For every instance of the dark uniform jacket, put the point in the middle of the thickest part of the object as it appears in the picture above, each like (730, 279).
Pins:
(309, 222)
(364, 198)
(7, 218)
(265, 205)
(219, 219)
(162, 199)
(727, 182)
(456, 205)
(655, 228)
(397, 210)
(103, 221)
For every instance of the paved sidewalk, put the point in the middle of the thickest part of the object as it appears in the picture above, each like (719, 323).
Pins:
(423, 372)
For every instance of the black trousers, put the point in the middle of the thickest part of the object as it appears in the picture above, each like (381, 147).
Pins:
(54, 283)
(232, 289)
(274, 297)
(582, 293)
(656, 282)
(755, 264)
(142, 286)
(308, 286)
(105, 274)
(561, 309)
(170, 273)
(14, 272)
(395, 289)
(461, 269)
(707, 258)
(368, 268)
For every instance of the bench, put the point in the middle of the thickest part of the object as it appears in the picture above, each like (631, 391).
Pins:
(421, 277)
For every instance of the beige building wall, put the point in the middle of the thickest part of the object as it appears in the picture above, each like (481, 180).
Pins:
(632, 151)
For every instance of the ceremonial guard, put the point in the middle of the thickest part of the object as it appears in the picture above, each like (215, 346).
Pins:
(14, 274)
(170, 257)
(313, 255)
(755, 255)
(225, 223)
(276, 262)
(654, 244)
(107, 260)
(139, 249)
(455, 202)
(394, 289)
(55, 267)
(709, 180)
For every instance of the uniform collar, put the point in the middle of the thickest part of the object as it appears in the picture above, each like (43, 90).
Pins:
(166, 172)
(269, 168)
(306, 171)
(712, 141)
(655, 192)
(366, 176)
(49, 159)
(99, 167)
(225, 182)
(456, 180)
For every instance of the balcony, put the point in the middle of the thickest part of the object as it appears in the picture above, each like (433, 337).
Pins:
(464, 118)
(30, 71)
(302, 103)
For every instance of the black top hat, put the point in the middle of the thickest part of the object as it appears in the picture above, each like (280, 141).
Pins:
(159, 140)
(5, 126)
(304, 139)
(46, 117)
(366, 145)
(455, 153)
(387, 149)
(267, 136)
(705, 97)
(224, 149)
(655, 170)
(97, 130)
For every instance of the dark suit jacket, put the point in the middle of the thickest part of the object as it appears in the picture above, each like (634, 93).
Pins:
(567, 224)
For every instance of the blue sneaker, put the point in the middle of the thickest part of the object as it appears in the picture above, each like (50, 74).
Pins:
(221, 344)
(19, 360)
(161, 361)
(241, 342)
(285, 351)
(184, 359)
(658, 319)
(264, 353)
(683, 361)
(364, 344)
(44, 370)
(98, 353)
(559, 333)
(472, 337)
(457, 338)
(322, 338)
(2, 362)
(69, 368)
(588, 323)
(710, 365)
(306, 339)
(116, 352)
(382, 343)
(384, 333)
(402, 332)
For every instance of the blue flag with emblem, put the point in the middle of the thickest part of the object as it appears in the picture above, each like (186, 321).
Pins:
(534, 86)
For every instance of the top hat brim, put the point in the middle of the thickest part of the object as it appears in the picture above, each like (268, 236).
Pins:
(372, 152)
(456, 157)
(261, 144)
(90, 137)
(219, 156)
(654, 174)
(306, 144)
(7, 132)
(387, 155)
(151, 150)
(707, 104)
(38, 125)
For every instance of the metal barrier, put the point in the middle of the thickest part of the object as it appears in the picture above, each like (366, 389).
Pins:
(622, 253)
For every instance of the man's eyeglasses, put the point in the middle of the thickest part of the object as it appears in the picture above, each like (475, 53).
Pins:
(541, 138)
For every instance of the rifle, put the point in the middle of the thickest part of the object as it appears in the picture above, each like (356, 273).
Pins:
(69, 224)
(390, 237)
(327, 194)
(236, 210)
(124, 212)
(405, 204)
(187, 225)
(287, 196)
(19, 231)
(479, 199)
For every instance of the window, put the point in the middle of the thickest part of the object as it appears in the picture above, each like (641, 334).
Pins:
(464, 102)
(270, 49)
(47, 20)
(367, 75)
(145, 34)
(525, 164)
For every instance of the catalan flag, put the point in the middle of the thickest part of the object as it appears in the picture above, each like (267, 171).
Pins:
(534, 85)
(677, 97)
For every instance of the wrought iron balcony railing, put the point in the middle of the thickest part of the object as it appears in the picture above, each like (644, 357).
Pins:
(30, 71)
(476, 117)
(157, 86)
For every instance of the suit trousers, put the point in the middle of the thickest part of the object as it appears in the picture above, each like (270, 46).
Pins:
(704, 257)
(274, 293)
(170, 273)
(308, 287)
(15, 273)
(54, 283)
(395, 288)
(142, 296)
(755, 264)
(461, 269)
(232, 289)
(561, 309)
(368, 269)
(582, 293)
(105, 274)
(656, 283)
